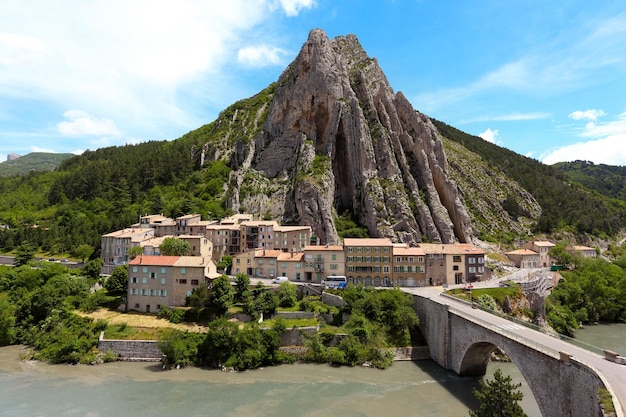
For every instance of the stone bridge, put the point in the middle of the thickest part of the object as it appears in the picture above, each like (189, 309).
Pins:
(461, 339)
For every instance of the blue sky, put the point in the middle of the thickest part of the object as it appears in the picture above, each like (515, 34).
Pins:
(544, 79)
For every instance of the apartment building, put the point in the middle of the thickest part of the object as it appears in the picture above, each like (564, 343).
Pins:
(409, 267)
(190, 224)
(166, 280)
(448, 264)
(368, 261)
(114, 246)
(323, 260)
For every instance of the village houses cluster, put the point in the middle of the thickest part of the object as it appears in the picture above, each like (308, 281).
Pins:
(265, 249)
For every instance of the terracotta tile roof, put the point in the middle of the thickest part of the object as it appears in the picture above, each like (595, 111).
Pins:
(323, 248)
(154, 260)
(367, 242)
(408, 251)
(288, 256)
(522, 252)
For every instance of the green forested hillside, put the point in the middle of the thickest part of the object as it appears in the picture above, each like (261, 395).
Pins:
(565, 205)
(608, 180)
(35, 161)
(109, 188)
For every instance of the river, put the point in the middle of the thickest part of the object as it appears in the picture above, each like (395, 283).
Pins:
(142, 389)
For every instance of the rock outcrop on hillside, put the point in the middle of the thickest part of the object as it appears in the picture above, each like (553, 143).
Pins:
(336, 137)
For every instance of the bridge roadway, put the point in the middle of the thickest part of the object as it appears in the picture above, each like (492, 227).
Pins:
(612, 374)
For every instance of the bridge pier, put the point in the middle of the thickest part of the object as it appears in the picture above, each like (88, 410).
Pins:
(561, 385)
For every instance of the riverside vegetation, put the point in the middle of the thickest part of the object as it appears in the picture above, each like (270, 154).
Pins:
(39, 304)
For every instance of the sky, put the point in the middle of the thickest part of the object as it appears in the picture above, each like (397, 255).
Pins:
(544, 79)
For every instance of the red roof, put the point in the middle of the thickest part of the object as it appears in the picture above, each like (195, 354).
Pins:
(152, 260)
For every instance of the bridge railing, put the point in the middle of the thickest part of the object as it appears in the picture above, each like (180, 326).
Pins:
(573, 341)
(505, 332)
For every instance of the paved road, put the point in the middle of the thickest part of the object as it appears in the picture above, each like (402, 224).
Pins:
(614, 374)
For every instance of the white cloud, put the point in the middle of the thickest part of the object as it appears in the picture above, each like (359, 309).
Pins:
(82, 124)
(610, 150)
(490, 135)
(260, 56)
(293, 7)
(591, 114)
(129, 60)
(39, 149)
(605, 129)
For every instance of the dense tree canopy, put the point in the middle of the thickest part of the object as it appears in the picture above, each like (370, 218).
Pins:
(594, 291)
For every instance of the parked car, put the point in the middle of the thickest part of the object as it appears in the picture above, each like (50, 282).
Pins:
(278, 280)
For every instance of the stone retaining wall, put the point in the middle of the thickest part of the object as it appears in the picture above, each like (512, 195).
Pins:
(295, 314)
(132, 350)
(332, 300)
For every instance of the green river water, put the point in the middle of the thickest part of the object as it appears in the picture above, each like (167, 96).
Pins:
(143, 389)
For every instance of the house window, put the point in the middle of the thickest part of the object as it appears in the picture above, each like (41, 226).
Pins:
(145, 269)
(398, 259)
(455, 268)
(272, 262)
(386, 268)
(333, 257)
(153, 275)
(183, 271)
(260, 261)
(350, 269)
(162, 281)
(144, 280)
(472, 260)
(134, 269)
(472, 270)
(298, 266)
(283, 265)
(194, 282)
(456, 258)
(411, 259)
(182, 281)
(350, 250)
(334, 266)
(152, 292)
(133, 280)
(420, 259)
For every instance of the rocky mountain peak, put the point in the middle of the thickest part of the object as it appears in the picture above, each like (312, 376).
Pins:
(337, 138)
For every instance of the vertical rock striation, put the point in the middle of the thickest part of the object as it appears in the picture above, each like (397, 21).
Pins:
(340, 139)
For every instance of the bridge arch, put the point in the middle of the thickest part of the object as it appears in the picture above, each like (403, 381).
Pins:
(562, 386)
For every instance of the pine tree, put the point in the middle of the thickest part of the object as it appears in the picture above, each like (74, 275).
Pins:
(498, 398)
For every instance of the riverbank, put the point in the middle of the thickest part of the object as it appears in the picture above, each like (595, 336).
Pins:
(299, 390)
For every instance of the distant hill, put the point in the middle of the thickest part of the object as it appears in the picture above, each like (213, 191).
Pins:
(608, 180)
(35, 161)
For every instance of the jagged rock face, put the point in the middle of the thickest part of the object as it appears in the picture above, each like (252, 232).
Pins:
(346, 141)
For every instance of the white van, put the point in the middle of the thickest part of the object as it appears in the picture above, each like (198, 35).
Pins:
(278, 280)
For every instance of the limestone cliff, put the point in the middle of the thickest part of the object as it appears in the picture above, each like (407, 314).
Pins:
(331, 135)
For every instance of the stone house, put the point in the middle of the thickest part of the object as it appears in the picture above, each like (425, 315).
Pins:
(154, 281)
(409, 267)
(321, 261)
(524, 258)
(542, 247)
